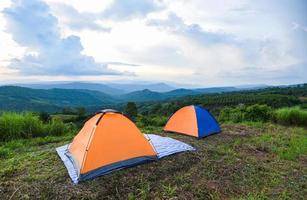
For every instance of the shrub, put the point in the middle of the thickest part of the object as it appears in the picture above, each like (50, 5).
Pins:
(144, 121)
(131, 110)
(256, 113)
(44, 116)
(231, 114)
(55, 127)
(291, 116)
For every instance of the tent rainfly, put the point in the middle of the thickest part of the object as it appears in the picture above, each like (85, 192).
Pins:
(194, 121)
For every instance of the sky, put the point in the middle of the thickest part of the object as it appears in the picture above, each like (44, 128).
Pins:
(185, 42)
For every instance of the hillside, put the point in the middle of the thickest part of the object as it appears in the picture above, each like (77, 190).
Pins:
(275, 97)
(242, 162)
(14, 98)
(20, 98)
(76, 85)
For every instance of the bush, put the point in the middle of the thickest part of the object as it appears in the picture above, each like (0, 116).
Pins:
(27, 125)
(256, 113)
(144, 121)
(291, 116)
(231, 114)
(55, 127)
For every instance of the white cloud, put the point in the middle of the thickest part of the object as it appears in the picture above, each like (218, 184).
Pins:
(209, 42)
(34, 27)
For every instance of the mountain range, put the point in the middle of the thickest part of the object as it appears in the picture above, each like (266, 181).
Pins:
(53, 97)
(108, 88)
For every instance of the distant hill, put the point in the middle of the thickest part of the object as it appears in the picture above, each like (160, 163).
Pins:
(77, 85)
(155, 87)
(143, 95)
(53, 97)
(21, 98)
(216, 90)
(108, 88)
(148, 95)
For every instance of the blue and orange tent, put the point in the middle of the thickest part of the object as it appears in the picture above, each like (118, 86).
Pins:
(194, 121)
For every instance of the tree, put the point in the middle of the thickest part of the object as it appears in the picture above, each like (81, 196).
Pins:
(44, 116)
(81, 112)
(67, 110)
(131, 110)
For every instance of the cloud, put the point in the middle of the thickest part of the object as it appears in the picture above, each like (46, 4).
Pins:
(297, 26)
(288, 74)
(176, 25)
(33, 27)
(123, 64)
(127, 9)
(76, 20)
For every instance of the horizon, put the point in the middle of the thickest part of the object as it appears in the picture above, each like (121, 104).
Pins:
(188, 44)
(172, 86)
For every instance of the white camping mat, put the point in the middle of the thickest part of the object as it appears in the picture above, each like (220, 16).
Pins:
(72, 171)
(165, 146)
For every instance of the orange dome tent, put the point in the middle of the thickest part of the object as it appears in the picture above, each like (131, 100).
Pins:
(108, 141)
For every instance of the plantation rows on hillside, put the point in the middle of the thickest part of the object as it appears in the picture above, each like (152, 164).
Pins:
(216, 102)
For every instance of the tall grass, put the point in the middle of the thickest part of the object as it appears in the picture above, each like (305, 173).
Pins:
(27, 125)
(296, 116)
(291, 116)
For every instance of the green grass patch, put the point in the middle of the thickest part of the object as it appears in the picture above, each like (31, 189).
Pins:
(228, 165)
(287, 143)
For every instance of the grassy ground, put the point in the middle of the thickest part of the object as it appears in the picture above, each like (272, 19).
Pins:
(245, 161)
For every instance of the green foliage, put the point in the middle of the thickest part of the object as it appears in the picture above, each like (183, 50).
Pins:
(13, 98)
(27, 125)
(55, 127)
(151, 120)
(216, 102)
(258, 113)
(81, 111)
(231, 114)
(291, 116)
(131, 110)
(14, 126)
(255, 113)
(288, 144)
(44, 116)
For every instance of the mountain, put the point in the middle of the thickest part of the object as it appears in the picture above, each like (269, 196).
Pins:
(21, 98)
(143, 95)
(216, 90)
(181, 92)
(16, 98)
(252, 86)
(76, 85)
(155, 87)
(148, 95)
(108, 88)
